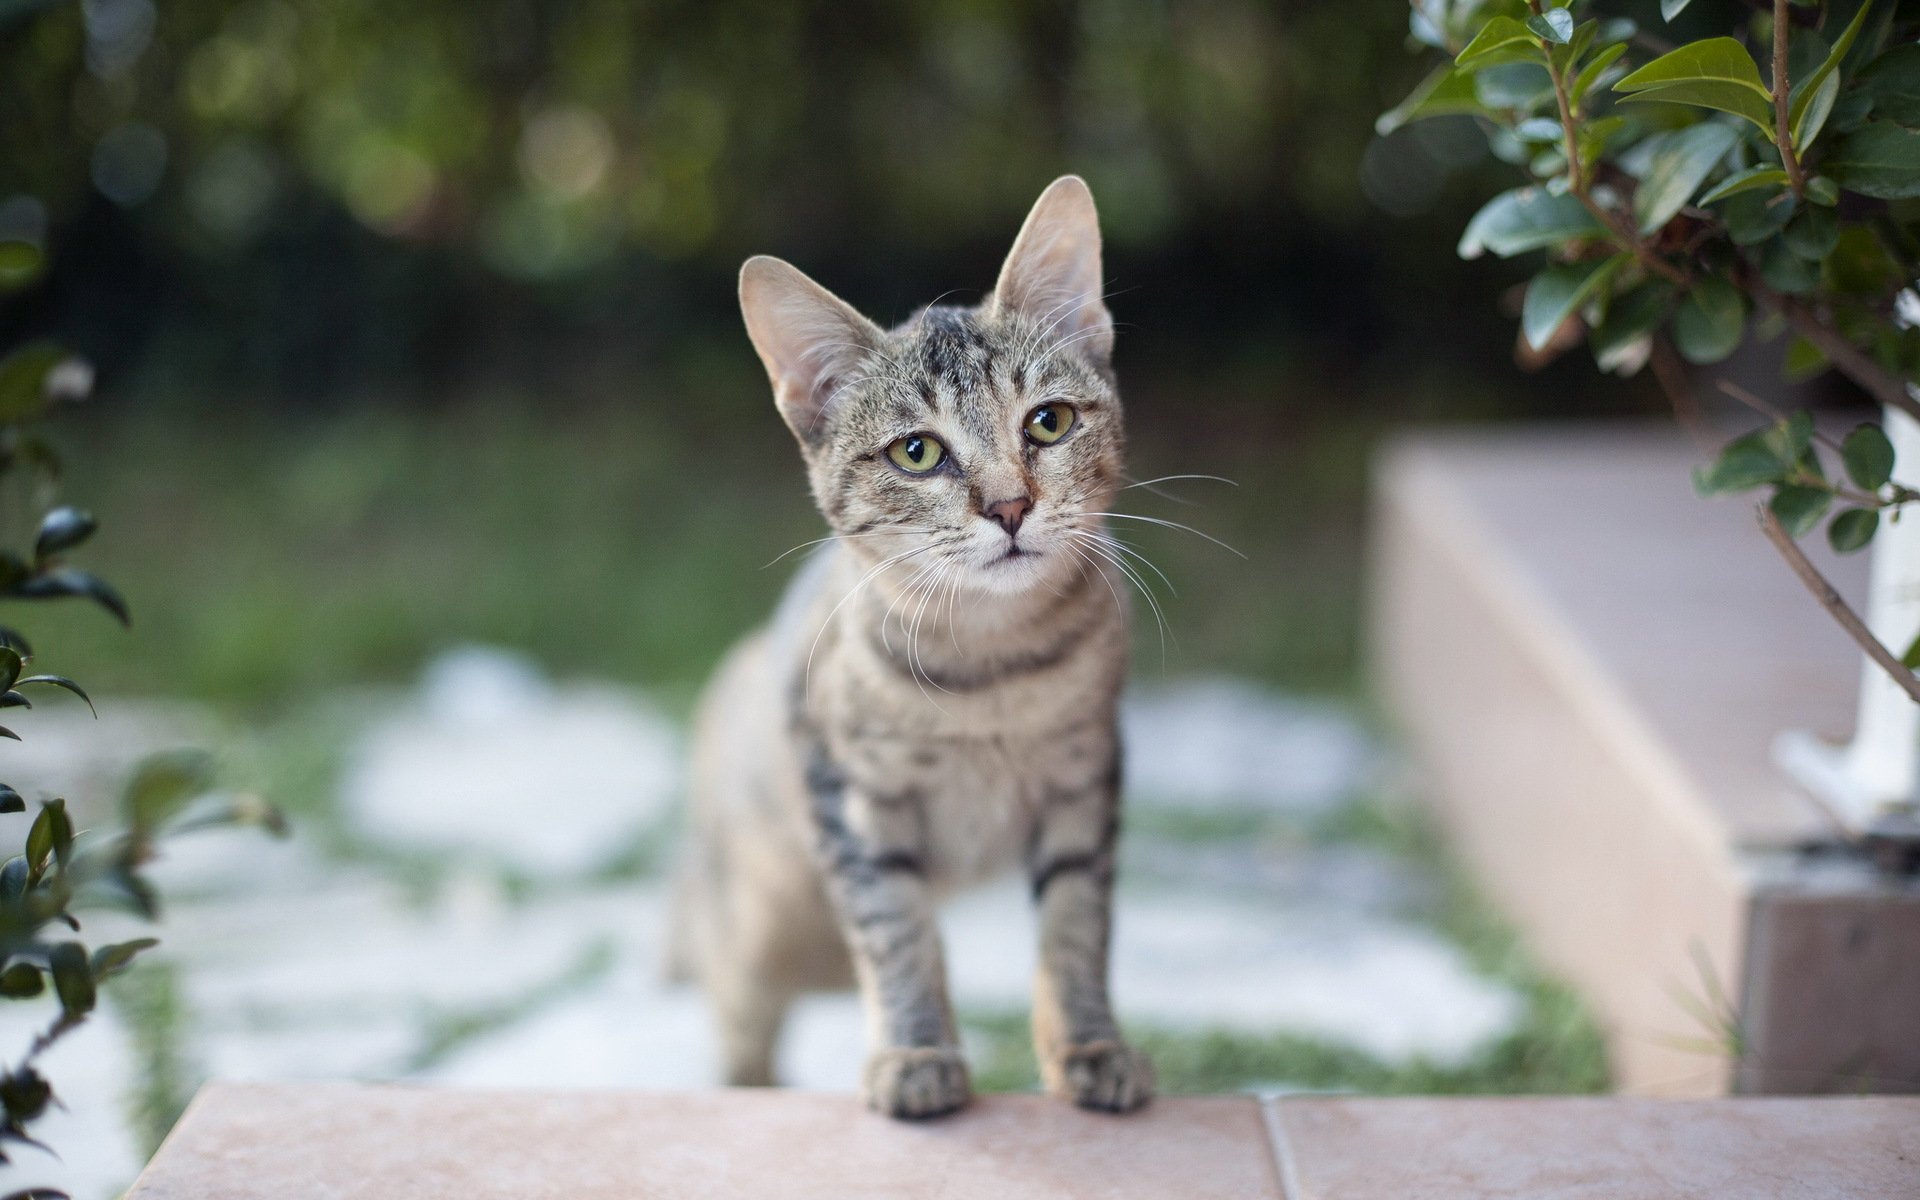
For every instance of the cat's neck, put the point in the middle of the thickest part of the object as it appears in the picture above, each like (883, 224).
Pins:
(942, 624)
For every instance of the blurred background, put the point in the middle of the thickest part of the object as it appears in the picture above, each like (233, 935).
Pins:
(432, 458)
(416, 322)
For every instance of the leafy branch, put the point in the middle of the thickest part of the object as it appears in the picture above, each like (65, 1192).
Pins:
(62, 869)
(1682, 200)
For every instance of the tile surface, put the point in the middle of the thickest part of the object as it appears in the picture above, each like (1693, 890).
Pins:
(310, 1142)
(1601, 1149)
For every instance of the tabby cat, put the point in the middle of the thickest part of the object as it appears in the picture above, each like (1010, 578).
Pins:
(934, 701)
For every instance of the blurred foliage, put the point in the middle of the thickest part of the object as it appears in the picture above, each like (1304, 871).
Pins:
(312, 197)
(341, 260)
(62, 868)
(1680, 198)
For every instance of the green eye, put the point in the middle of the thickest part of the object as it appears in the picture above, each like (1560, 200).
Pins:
(917, 453)
(1049, 423)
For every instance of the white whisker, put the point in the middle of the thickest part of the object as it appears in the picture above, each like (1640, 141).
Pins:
(1168, 525)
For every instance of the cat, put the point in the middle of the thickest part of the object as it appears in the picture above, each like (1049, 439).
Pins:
(934, 701)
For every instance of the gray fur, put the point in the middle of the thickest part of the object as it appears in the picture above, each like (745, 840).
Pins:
(934, 703)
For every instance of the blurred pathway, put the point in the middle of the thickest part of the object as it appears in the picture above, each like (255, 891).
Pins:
(479, 899)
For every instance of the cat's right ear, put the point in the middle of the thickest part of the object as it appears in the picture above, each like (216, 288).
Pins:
(809, 339)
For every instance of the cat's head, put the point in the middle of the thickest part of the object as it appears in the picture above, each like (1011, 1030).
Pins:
(983, 441)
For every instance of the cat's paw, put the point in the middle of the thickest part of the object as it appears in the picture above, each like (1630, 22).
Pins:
(1105, 1076)
(917, 1081)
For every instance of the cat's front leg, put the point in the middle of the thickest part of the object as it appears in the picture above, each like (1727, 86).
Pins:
(873, 860)
(1075, 1037)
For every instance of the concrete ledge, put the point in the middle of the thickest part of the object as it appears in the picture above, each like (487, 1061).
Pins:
(307, 1142)
(1590, 662)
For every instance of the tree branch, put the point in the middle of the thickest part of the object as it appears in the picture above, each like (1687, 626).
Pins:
(1848, 359)
(1783, 127)
(1831, 600)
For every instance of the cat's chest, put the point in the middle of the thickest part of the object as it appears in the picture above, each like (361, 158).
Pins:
(976, 801)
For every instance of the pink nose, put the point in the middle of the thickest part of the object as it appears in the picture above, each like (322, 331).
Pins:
(1009, 513)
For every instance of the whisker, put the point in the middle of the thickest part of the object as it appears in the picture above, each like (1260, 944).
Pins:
(1124, 548)
(1171, 478)
(1146, 593)
(851, 592)
(1148, 484)
(1168, 525)
(903, 529)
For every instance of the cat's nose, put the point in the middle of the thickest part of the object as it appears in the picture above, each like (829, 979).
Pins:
(1009, 513)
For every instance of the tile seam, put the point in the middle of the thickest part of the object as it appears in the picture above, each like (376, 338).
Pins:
(1279, 1149)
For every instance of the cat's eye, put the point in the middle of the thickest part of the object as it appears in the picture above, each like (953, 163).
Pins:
(917, 453)
(1049, 423)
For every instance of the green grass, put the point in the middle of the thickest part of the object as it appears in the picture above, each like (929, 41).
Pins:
(266, 559)
(1554, 1048)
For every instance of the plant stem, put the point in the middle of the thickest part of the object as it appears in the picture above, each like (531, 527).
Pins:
(1830, 599)
(1783, 128)
(1576, 177)
(1848, 359)
(1851, 361)
(1623, 233)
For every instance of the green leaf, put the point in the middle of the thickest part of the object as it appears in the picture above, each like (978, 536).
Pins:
(1879, 159)
(1555, 25)
(15, 876)
(1631, 318)
(1744, 180)
(1812, 99)
(1709, 321)
(1717, 73)
(1868, 456)
(1800, 508)
(23, 381)
(1515, 85)
(1752, 217)
(1803, 361)
(1679, 164)
(61, 681)
(40, 842)
(1814, 118)
(1558, 292)
(1892, 84)
(10, 801)
(1526, 219)
(25, 1094)
(60, 828)
(1813, 233)
(1591, 73)
(161, 786)
(11, 665)
(1500, 40)
(65, 581)
(1785, 271)
(1669, 9)
(1446, 92)
(1563, 55)
(21, 980)
(1852, 529)
(111, 960)
(1860, 266)
(62, 529)
(72, 978)
(1746, 462)
(1822, 190)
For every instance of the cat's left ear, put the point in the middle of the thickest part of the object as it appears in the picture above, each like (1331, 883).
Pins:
(1052, 276)
(809, 339)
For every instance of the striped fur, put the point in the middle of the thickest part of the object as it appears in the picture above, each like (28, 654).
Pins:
(926, 710)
